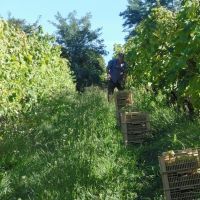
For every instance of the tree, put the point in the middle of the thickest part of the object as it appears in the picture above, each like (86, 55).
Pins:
(82, 47)
(22, 25)
(138, 10)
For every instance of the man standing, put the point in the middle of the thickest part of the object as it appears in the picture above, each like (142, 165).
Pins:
(116, 74)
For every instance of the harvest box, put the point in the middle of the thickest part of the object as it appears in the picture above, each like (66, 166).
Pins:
(135, 127)
(180, 172)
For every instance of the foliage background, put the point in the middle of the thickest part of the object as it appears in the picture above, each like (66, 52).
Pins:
(31, 69)
(164, 54)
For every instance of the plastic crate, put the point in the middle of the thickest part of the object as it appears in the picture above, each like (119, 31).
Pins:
(181, 179)
(183, 151)
(181, 160)
(186, 193)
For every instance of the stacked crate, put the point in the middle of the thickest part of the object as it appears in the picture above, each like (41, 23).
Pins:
(180, 172)
(135, 127)
(122, 99)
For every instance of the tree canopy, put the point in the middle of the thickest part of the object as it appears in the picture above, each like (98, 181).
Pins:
(82, 47)
(138, 10)
(22, 24)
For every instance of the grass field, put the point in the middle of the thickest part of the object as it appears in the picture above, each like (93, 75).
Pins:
(69, 149)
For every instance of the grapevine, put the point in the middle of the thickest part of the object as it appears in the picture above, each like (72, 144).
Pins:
(31, 69)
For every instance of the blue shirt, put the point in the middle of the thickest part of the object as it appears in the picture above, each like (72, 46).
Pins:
(117, 70)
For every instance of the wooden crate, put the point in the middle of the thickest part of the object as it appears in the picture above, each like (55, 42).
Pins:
(123, 103)
(135, 138)
(134, 117)
(135, 127)
(123, 94)
(131, 128)
(119, 113)
(135, 122)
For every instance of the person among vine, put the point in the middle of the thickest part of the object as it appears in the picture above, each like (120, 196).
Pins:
(116, 74)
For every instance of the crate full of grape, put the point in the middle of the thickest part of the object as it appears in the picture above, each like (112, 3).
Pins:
(184, 193)
(180, 172)
(181, 179)
(173, 161)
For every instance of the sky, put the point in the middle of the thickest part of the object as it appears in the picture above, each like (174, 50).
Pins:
(105, 15)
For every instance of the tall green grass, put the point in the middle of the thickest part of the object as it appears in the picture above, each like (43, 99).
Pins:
(69, 148)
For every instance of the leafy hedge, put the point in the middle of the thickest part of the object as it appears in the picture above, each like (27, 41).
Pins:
(165, 52)
(31, 69)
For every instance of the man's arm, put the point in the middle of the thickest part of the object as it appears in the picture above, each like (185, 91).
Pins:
(108, 69)
(108, 74)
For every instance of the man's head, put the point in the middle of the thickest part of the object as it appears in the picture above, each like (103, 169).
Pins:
(120, 57)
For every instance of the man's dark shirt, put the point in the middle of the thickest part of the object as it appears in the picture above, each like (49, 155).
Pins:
(116, 70)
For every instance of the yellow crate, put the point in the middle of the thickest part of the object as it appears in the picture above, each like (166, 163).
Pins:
(181, 179)
(179, 160)
(185, 193)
